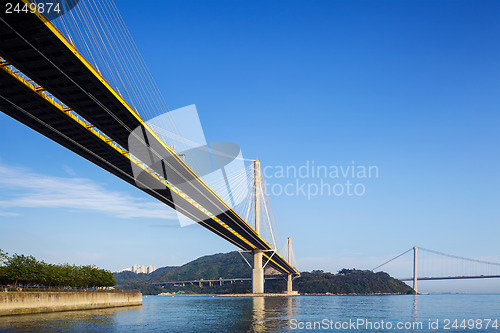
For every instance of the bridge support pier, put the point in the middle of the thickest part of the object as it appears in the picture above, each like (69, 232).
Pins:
(289, 288)
(289, 285)
(257, 273)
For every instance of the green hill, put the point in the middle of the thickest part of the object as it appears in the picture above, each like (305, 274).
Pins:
(225, 265)
(232, 265)
(350, 281)
(127, 277)
(211, 267)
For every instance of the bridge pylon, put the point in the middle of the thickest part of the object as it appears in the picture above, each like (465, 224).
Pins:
(415, 287)
(257, 269)
(257, 273)
(289, 285)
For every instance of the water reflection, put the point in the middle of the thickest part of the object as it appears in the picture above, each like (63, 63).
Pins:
(259, 305)
(415, 308)
(255, 314)
(290, 307)
(77, 321)
(167, 314)
(271, 313)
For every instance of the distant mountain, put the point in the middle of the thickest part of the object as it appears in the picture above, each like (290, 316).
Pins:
(225, 265)
(350, 281)
(126, 277)
(162, 270)
(232, 265)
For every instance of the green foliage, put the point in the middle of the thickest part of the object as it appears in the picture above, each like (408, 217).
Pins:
(226, 265)
(128, 277)
(350, 281)
(212, 267)
(3, 256)
(227, 288)
(144, 288)
(26, 270)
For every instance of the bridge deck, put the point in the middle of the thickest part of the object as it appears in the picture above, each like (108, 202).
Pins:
(31, 109)
(453, 277)
(37, 49)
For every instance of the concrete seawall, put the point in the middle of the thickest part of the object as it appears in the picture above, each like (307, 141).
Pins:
(12, 303)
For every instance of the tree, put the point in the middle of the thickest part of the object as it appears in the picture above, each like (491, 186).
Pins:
(27, 270)
(22, 269)
(3, 270)
(3, 257)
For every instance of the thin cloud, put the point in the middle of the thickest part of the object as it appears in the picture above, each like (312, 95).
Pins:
(31, 190)
(69, 170)
(8, 214)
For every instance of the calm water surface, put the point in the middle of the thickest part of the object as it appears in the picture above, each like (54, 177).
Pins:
(274, 314)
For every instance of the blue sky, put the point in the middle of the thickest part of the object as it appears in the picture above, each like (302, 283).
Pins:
(408, 86)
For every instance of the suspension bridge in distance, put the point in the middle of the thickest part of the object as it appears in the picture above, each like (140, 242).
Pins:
(50, 85)
(442, 266)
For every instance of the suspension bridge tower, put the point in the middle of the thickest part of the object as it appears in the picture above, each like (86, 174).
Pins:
(415, 287)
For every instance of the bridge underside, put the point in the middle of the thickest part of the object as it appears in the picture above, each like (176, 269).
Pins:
(33, 46)
(29, 108)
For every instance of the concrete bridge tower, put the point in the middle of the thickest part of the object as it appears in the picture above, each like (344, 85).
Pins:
(257, 270)
(289, 288)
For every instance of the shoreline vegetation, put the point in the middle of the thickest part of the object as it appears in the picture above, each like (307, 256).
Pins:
(19, 271)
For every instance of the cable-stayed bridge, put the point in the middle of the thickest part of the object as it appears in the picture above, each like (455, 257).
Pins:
(435, 265)
(78, 79)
